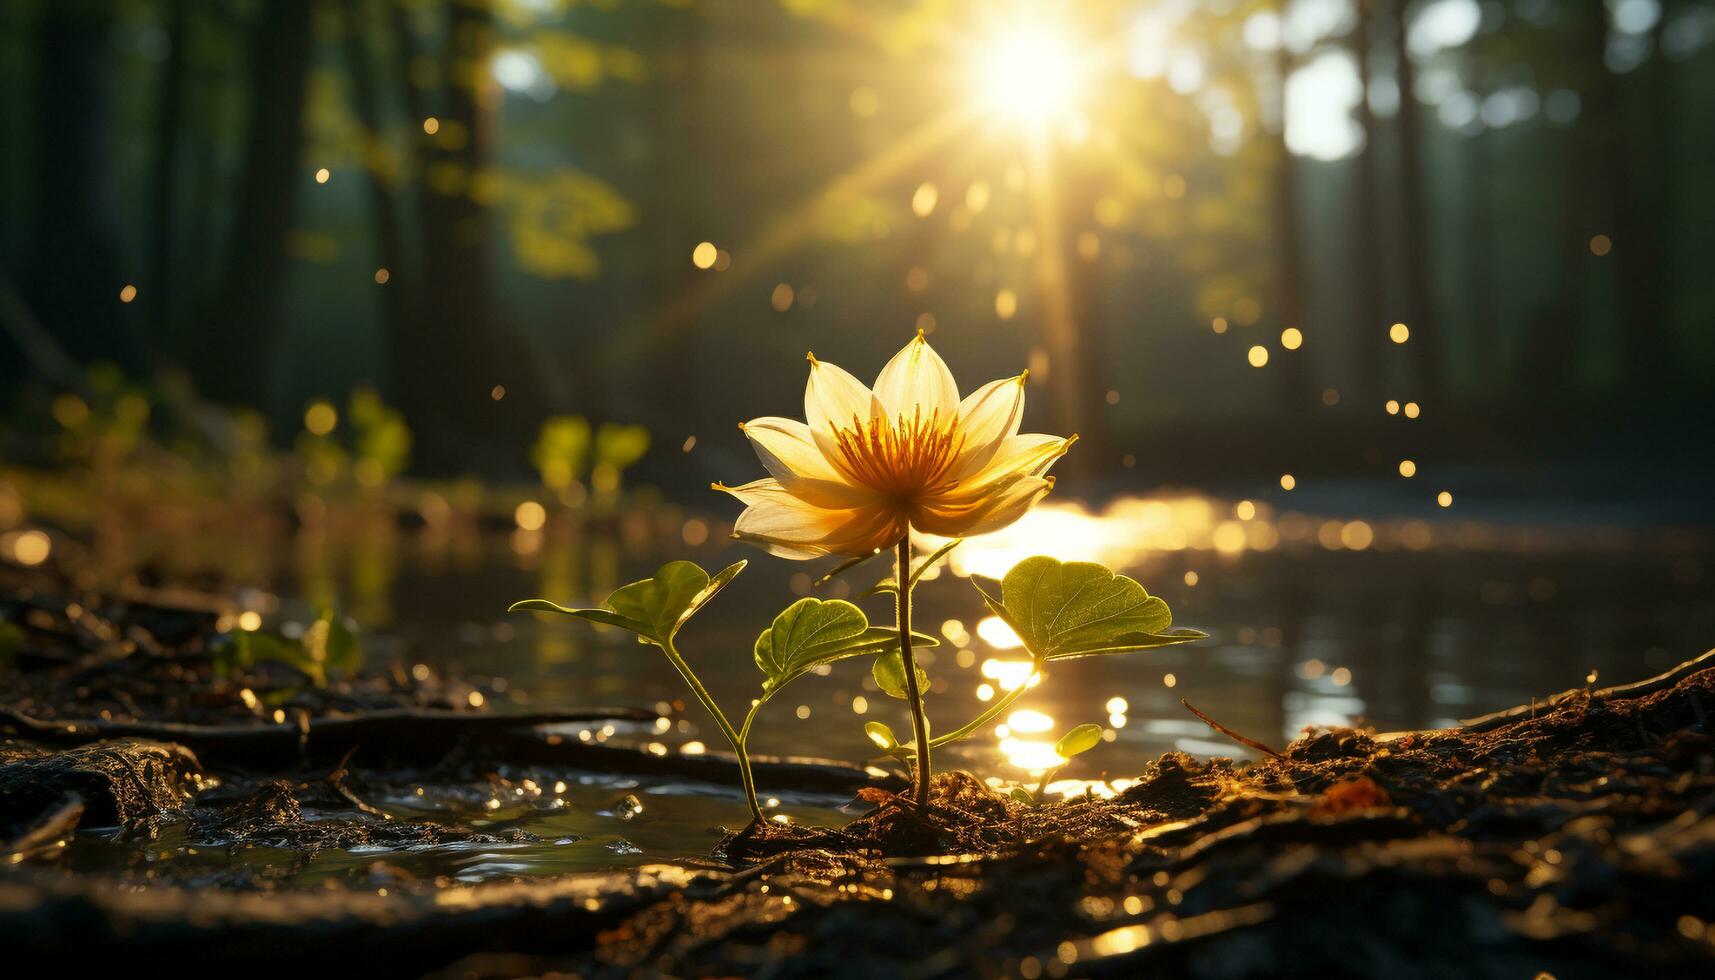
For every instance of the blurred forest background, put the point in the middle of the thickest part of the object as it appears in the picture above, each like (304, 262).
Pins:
(645, 211)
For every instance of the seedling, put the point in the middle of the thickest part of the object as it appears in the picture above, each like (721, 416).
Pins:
(1060, 611)
(864, 470)
(1075, 742)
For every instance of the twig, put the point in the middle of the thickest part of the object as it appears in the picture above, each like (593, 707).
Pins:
(57, 825)
(1621, 692)
(336, 779)
(1235, 736)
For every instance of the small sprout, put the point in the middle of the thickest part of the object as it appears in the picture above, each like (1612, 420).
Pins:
(1078, 741)
(1075, 742)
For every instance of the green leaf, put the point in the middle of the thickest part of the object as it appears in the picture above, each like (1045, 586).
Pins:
(1063, 610)
(812, 632)
(883, 738)
(345, 652)
(881, 735)
(1131, 643)
(1021, 796)
(655, 608)
(243, 649)
(1078, 741)
(332, 646)
(891, 583)
(889, 671)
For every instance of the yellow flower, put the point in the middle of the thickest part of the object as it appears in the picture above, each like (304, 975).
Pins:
(867, 466)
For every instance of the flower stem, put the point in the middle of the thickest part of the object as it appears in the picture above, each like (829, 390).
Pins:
(919, 721)
(726, 728)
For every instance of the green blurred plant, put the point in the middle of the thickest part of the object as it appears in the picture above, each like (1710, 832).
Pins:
(328, 647)
(562, 446)
(102, 425)
(11, 640)
(617, 448)
(373, 448)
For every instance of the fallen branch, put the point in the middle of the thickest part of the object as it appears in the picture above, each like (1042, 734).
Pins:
(409, 735)
(802, 774)
(1619, 692)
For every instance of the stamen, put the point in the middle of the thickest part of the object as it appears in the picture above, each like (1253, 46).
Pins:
(902, 458)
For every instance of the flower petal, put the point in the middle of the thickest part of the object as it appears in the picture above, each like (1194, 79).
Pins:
(832, 399)
(789, 452)
(790, 527)
(980, 514)
(918, 380)
(988, 416)
(1030, 454)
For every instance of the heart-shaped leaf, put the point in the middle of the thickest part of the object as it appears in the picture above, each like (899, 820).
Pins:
(812, 632)
(889, 672)
(1063, 610)
(1079, 740)
(655, 608)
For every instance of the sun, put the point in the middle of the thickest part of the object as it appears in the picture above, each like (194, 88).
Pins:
(1027, 74)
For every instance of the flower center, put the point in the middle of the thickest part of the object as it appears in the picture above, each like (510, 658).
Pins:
(900, 458)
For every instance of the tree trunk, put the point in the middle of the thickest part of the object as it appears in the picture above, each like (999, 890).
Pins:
(682, 107)
(236, 335)
(164, 296)
(1638, 168)
(74, 281)
(1366, 234)
(1417, 305)
(1294, 374)
(1618, 199)
(448, 361)
(397, 291)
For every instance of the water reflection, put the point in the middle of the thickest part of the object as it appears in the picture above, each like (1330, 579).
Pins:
(1314, 619)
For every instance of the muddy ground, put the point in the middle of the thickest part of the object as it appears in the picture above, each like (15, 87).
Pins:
(1573, 837)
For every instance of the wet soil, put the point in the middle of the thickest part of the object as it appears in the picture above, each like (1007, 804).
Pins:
(1574, 836)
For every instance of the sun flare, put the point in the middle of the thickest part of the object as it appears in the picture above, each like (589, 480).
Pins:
(1028, 74)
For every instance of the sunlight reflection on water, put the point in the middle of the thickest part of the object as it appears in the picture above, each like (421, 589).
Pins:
(1314, 619)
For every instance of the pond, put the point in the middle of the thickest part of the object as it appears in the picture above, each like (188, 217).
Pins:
(1399, 623)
